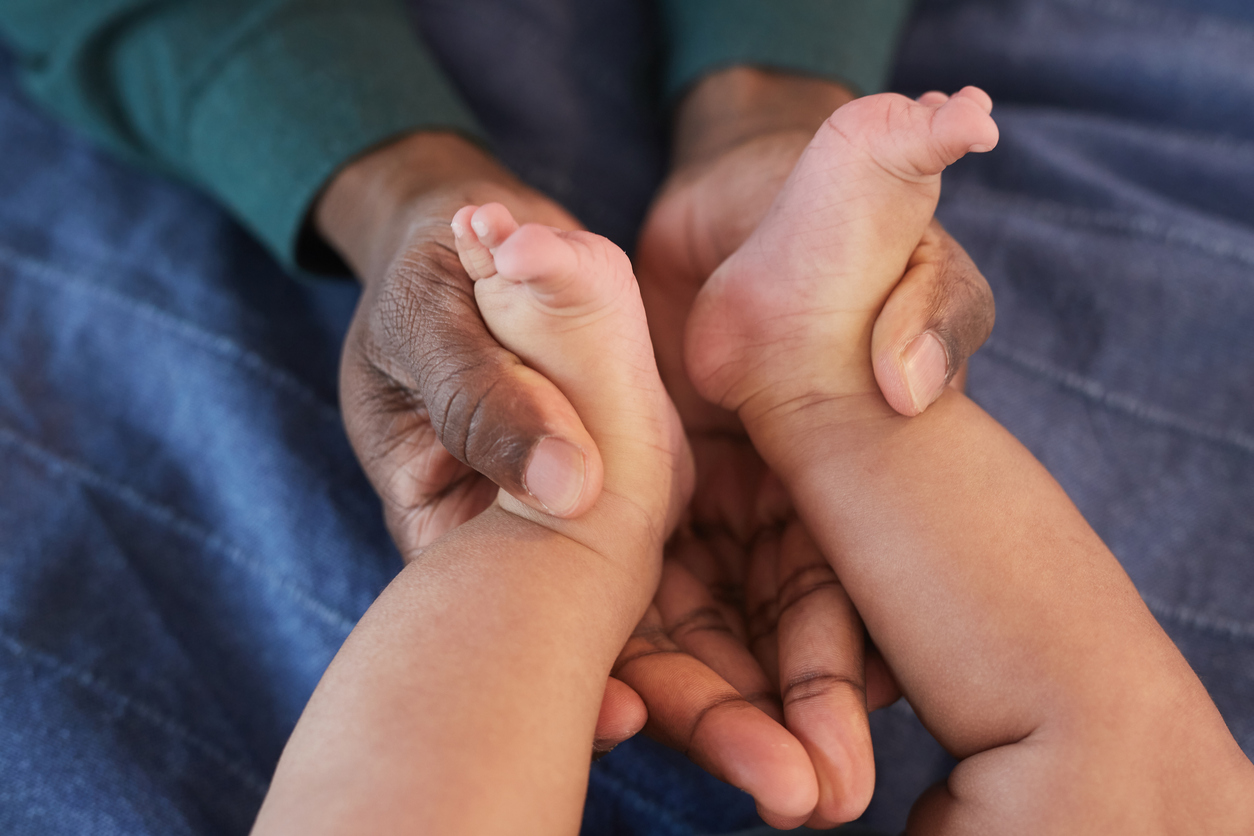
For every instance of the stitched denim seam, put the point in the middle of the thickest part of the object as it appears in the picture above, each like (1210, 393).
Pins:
(640, 801)
(976, 200)
(193, 334)
(1173, 136)
(85, 679)
(1188, 617)
(171, 519)
(1117, 401)
(155, 265)
(1213, 26)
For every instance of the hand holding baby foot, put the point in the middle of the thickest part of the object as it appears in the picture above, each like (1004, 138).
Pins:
(964, 558)
(567, 304)
(736, 146)
(811, 279)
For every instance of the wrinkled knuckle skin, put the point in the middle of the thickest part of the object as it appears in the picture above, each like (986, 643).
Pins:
(643, 651)
(813, 685)
(700, 620)
(425, 302)
(430, 336)
(963, 310)
(803, 583)
(393, 440)
(386, 417)
(728, 702)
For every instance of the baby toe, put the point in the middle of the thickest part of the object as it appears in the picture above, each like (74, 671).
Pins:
(475, 257)
(538, 257)
(493, 223)
(963, 125)
(975, 94)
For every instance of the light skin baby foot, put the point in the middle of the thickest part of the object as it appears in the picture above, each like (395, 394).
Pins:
(787, 319)
(567, 304)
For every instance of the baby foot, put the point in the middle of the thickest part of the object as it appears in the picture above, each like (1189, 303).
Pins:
(787, 319)
(567, 304)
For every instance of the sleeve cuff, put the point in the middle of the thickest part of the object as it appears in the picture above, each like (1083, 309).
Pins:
(850, 41)
(300, 98)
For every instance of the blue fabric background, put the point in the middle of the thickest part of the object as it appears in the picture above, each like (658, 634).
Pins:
(185, 537)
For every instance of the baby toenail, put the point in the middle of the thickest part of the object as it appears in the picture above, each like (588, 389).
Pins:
(926, 367)
(555, 475)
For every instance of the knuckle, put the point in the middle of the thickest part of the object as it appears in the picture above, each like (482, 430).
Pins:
(490, 440)
(701, 620)
(648, 639)
(963, 310)
(428, 316)
(636, 652)
(722, 704)
(807, 686)
(766, 701)
(804, 582)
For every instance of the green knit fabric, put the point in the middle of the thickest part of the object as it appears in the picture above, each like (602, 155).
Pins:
(257, 101)
(850, 41)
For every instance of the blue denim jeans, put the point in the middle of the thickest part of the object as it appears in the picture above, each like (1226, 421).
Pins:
(186, 538)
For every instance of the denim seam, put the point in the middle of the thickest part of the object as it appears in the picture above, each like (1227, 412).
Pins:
(171, 519)
(143, 711)
(191, 333)
(1188, 617)
(975, 199)
(1172, 136)
(1213, 26)
(1117, 402)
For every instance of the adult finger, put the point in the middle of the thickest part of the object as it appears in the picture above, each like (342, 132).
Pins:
(715, 560)
(882, 689)
(419, 331)
(762, 603)
(696, 624)
(763, 606)
(424, 490)
(937, 316)
(822, 678)
(694, 710)
(623, 714)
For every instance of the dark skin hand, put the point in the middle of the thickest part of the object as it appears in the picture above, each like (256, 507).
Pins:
(431, 402)
(437, 411)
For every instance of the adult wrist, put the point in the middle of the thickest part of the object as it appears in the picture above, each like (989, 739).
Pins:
(735, 105)
(368, 209)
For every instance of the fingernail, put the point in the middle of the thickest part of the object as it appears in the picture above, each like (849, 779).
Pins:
(480, 226)
(555, 475)
(926, 367)
(458, 229)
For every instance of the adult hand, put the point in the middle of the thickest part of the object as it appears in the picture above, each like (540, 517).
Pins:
(437, 411)
(430, 399)
(746, 630)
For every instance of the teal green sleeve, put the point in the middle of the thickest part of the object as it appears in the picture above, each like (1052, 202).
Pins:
(850, 41)
(258, 102)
